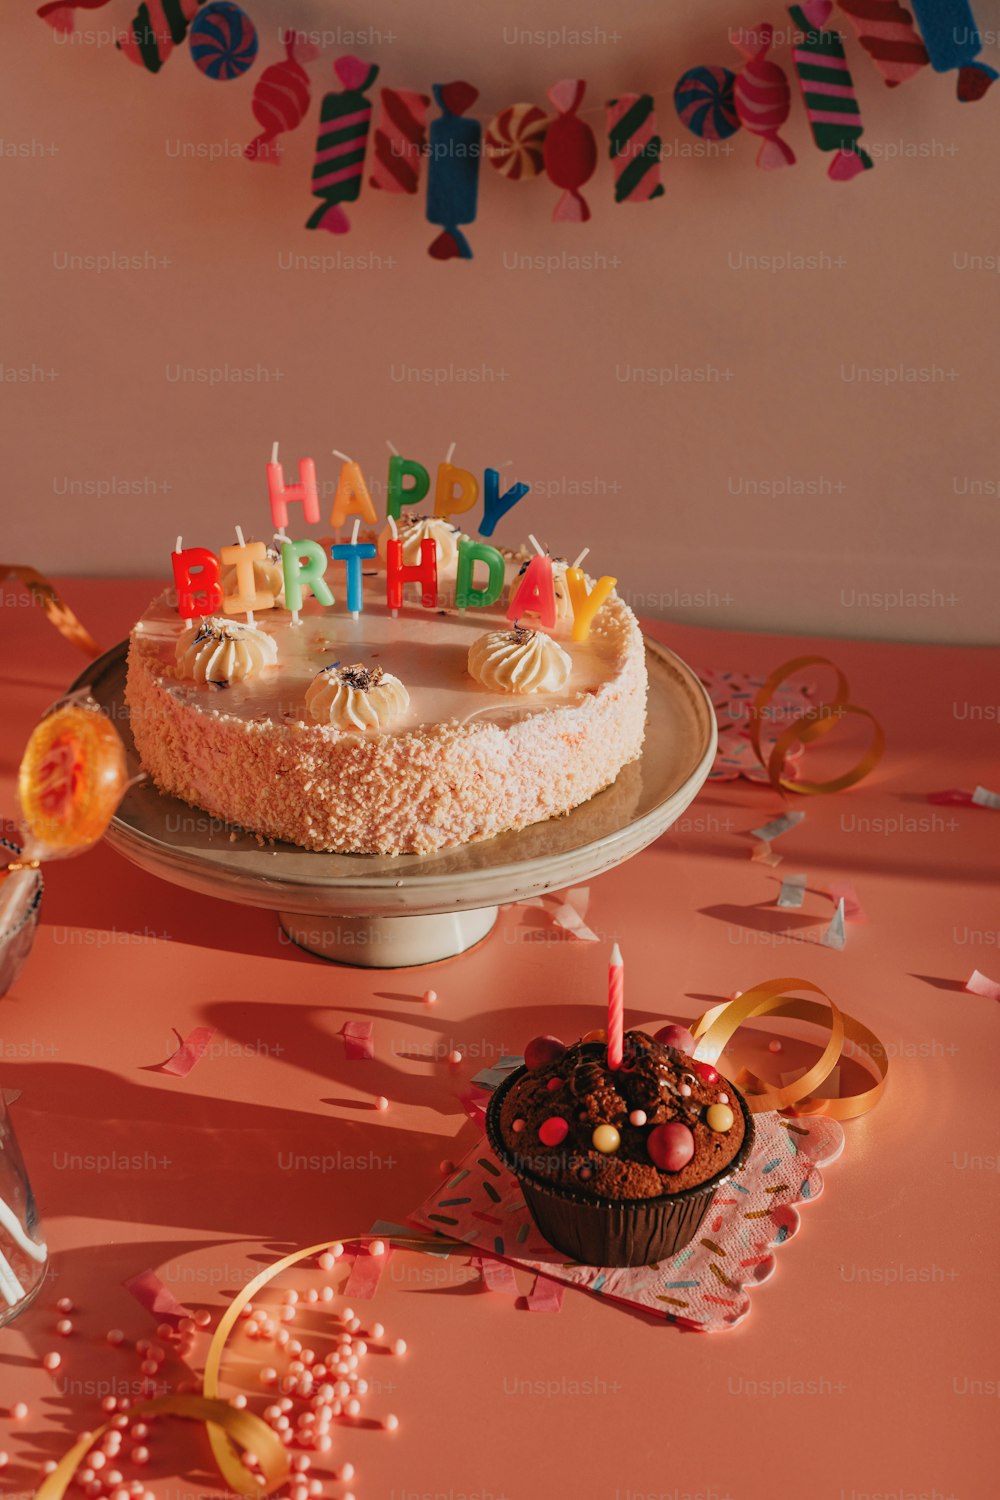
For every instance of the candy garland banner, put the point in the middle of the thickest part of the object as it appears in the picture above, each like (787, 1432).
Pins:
(223, 41)
(400, 141)
(812, 725)
(763, 98)
(60, 13)
(635, 148)
(570, 151)
(953, 41)
(719, 1024)
(886, 31)
(828, 91)
(515, 141)
(281, 98)
(159, 26)
(453, 169)
(340, 146)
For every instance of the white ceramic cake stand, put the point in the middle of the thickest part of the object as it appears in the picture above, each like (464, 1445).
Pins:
(384, 911)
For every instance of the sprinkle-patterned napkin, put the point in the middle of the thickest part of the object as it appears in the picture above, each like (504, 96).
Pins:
(732, 695)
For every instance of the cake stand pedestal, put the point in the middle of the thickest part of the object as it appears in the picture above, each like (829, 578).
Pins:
(383, 911)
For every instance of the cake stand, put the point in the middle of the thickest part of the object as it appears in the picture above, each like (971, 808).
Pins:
(390, 911)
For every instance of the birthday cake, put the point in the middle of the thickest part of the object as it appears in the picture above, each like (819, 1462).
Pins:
(427, 710)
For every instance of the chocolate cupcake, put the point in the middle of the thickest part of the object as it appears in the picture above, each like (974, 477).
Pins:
(618, 1166)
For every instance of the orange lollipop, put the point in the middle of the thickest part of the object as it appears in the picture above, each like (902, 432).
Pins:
(72, 777)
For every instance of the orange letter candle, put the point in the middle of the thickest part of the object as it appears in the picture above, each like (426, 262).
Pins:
(585, 605)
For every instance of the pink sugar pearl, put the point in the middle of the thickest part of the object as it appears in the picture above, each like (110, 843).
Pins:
(399, 1346)
(345, 1472)
(390, 1422)
(268, 1376)
(430, 997)
(115, 1337)
(51, 1361)
(140, 1455)
(19, 1411)
(382, 1103)
(377, 1247)
(203, 1319)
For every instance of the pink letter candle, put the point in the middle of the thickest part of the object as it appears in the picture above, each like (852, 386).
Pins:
(281, 495)
(535, 593)
(616, 1008)
(196, 576)
(397, 573)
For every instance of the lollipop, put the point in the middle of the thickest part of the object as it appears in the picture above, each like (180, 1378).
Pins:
(453, 169)
(340, 146)
(281, 98)
(828, 91)
(704, 102)
(570, 151)
(515, 140)
(223, 41)
(887, 33)
(400, 138)
(763, 98)
(635, 148)
(157, 27)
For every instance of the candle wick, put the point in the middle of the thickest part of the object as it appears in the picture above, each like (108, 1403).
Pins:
(337, 454)
(392, 447)
(239, 536)
(448, 455)
(393, 528)
(354, 533)
(179, 547)
(534, 542)
(274, 453)
(579, 560)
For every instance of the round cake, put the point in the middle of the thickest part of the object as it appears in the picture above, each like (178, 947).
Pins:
(385, 732)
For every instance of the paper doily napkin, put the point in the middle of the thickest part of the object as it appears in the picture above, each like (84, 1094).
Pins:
(732, 695)
(706, 1285)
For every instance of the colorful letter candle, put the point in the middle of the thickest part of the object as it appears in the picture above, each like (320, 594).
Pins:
(304, 564)
(352, 497)
(340, 146)
(453, 169)
(828, 91)
(400, 493)
(495, 505)
(247, 597)
(585, 605)
(196, 576)
(570, 151)
(466, 593)
(457, 490)
(535, 593)
(281, 495)
(616, 1008)
(953, 41)
(353, 554)
(397, 573)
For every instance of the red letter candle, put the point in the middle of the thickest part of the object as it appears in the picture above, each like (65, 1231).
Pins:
(535, 593)
(396, 573)
(196, 576)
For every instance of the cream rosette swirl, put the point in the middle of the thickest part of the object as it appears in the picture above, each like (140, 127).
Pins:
(268, 577)
(417, 529)
(356, 698)
(519, 661)
(223, 651)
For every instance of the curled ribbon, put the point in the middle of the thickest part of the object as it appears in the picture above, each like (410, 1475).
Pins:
(812, 725)
(718, 1024)
(57, 611)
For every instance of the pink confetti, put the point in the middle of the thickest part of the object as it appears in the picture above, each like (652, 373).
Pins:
(366, 1273)
(545, 1295)
(978, 984)
(156, 1297)
(956, 797)
(763, 854)
(843, 890)
(567, 911)
(192, 1048)
(358, 1039)
(498, 1277)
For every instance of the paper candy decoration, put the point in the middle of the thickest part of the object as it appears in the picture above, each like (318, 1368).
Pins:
(704, 102)
(570, 151)
(828, 91)
(515, 141)
(453, 169)
(635, 148)
(223, 41)
(281, 98)
(59, 13)
(400, 138)
(763, 98)
(158, 27)
(340, 146)
(886, 31)
(953, 41)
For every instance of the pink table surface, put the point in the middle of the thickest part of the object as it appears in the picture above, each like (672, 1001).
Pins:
(867, 1366)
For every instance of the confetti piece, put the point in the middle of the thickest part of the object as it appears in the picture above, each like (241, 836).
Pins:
(545, 1295)
(793, 890)
(834, 936)
(978, 984)
(843, 890)
(474, 1101)
(567, 911)
(366, 1273)
(493, 1076)
(498, 1277)
(193, 1047)
(763, 854)
(358, 1039)
(157, 1298)
(778, 826)
(954, 797)
(983, 798)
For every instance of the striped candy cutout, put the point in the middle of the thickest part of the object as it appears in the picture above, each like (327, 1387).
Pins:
(340, 146)
(515, 141)
(399, 141)
(828, 91)
(763, 98)
(223, 41)
(635, 148)
(281, 98)
(953, 41)
(886, 31)
(158, 27)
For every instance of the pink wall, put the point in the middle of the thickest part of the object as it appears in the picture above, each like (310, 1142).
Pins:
(716, 423)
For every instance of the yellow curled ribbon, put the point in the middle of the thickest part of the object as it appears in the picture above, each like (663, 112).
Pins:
(57, 611)
(812, 725)
(718, 1024)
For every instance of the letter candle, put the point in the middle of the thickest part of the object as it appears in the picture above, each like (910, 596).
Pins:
(352, 497)
(424, 572)
(281, 494)
(304, 563)
(247, 597)
(616, 1008)
(456, 490)
(352, 553)
(535, 592)
(196, 578)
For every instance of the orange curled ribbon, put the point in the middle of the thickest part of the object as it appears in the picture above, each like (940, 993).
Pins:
(718, 1024)
(812, 725)
(57, 611)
